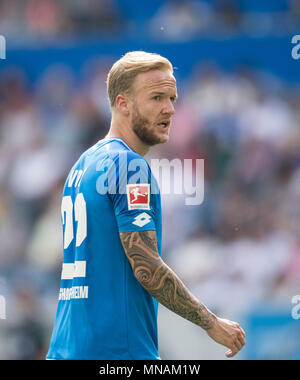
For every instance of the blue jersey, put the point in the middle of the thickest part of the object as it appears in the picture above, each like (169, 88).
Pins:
(103, 312)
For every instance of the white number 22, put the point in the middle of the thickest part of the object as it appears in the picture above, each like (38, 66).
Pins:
(80, 218)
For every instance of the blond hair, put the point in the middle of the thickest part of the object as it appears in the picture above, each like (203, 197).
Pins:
(124, 71)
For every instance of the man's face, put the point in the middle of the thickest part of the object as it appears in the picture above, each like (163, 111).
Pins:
(154, 94)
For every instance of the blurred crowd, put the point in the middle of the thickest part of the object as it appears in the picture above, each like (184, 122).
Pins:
(173, 20)
(239, 248)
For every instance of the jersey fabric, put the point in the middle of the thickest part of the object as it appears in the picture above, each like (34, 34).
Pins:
(103, 312)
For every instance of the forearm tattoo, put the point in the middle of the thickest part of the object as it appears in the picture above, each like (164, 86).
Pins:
(160, 281)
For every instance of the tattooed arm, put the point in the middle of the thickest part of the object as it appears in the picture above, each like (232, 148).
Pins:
(165, 286)
(160, 281)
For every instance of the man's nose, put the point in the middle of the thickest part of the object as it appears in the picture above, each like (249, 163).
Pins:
(169, 107)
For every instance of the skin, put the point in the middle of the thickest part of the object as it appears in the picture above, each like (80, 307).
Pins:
(135, 119)
(151, 101)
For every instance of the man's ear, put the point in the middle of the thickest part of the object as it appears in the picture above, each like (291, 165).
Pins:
(123, 104)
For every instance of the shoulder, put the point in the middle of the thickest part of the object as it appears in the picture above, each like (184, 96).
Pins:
(117, 156)
(116, 149)
(127, 158)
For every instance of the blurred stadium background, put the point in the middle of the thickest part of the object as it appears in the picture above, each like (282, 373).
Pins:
(239, 109)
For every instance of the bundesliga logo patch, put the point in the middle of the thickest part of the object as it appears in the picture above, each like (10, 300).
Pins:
(138, 196)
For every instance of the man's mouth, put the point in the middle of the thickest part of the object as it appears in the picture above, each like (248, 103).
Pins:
(164, 124)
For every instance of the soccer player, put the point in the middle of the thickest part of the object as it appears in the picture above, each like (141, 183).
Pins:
(113, 275)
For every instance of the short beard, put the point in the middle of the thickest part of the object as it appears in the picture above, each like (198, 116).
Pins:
(140, 126)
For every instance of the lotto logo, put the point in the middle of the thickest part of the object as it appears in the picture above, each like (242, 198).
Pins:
(138, 196)
(142, 219)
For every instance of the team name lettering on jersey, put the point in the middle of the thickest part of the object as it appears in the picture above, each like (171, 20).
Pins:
(75, 177)
(65, 294)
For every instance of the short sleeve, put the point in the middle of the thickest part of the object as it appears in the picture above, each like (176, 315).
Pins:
(132, 192)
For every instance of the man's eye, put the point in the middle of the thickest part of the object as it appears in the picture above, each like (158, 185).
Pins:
(157, 97)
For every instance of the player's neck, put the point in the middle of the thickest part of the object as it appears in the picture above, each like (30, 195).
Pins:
(129, 137)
